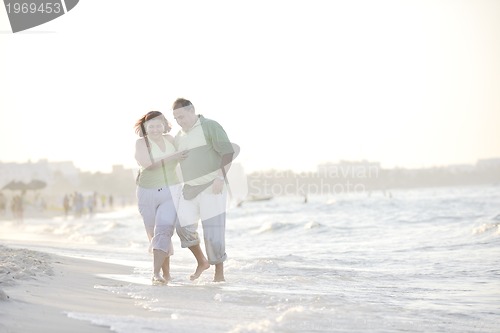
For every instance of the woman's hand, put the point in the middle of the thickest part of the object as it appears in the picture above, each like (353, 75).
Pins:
(177, 156)
(180, 155)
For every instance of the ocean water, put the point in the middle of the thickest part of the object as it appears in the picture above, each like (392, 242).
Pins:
(420, 260)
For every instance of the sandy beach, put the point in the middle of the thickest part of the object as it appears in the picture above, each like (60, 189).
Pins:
(424, 260)
(38, 290)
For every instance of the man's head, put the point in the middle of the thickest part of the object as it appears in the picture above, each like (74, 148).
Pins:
(184, 113)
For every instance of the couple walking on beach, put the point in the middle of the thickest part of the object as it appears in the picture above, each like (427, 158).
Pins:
(169, 200)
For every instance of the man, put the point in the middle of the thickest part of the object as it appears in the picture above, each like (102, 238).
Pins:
(204, 193)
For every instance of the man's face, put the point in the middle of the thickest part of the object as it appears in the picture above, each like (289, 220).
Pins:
(185, 117)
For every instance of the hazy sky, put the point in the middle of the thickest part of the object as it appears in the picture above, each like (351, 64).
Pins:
(294, 83)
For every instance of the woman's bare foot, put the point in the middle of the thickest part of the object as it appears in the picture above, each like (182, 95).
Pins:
(157, 280)
(201, 267)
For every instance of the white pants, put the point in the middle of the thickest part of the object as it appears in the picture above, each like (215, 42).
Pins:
(211, 209)
(158, 210)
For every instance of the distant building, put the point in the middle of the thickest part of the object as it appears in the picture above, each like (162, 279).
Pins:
(66, 169)
(121, 172)
(42, 170)
(460, 168)
(489, 163)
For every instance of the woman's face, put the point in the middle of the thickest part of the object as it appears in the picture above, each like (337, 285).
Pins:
(155, 127)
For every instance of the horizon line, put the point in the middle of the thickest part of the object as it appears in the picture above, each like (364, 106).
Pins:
(340, 162)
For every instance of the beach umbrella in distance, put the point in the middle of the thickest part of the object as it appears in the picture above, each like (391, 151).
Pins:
(15, 185)
(36, 184)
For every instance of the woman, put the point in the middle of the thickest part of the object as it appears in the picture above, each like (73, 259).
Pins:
(158, 188)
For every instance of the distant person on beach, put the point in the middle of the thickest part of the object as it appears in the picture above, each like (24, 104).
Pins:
(90, 203)
(204, 192)
(110, 201)
(103, 201)
(78, 204)
(158, 188)
(3, 204)
(17, 207)
(66, 205)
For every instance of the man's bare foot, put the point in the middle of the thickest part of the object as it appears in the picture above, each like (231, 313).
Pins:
(219, 277)
(219, 273)
(201, 267)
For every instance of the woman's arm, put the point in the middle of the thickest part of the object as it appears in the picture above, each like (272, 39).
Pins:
(143, 158)
(142, 154)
